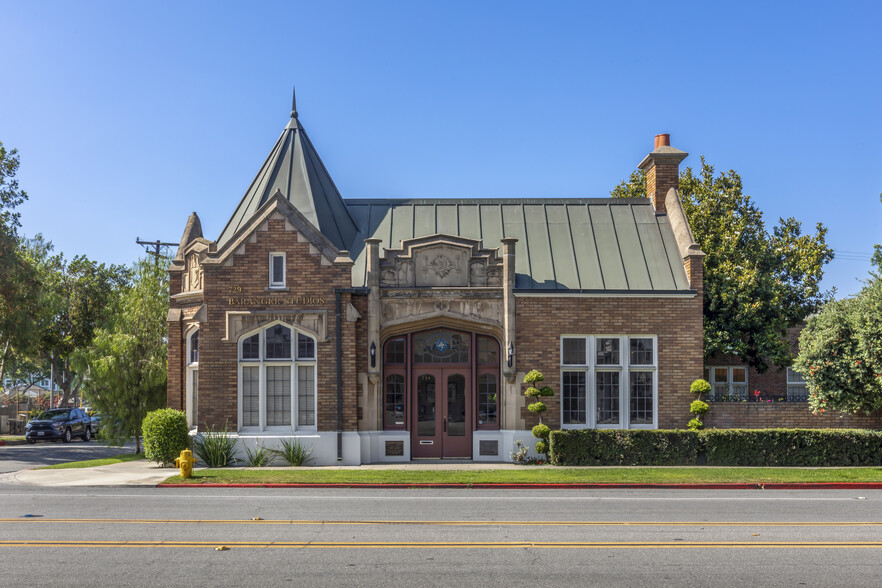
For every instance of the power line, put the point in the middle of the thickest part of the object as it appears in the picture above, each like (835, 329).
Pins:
(156, 245)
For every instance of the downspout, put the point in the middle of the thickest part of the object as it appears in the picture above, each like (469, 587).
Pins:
(338, 312)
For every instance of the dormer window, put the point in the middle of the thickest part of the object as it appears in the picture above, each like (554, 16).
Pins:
(277, 270)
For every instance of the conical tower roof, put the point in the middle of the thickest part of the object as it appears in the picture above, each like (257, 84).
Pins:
(294, 168)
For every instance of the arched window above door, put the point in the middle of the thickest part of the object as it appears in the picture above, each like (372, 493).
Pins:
(441, 346)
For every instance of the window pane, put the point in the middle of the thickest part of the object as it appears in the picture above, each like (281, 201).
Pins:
(487, 399)
(305, 396)
(608, 351)
(251, 347)
(426, 405)
(488, 351)
(641, 398)
(574, 351)
(278, 276)
(305, 347)
(574, 398)
(250, 396)
(739, 382)
(395, 351)
(739, 375)
(607, 398)
(441, 346)
(395, 400)
(278, 342)
(721, 375)
(641, 351)
(794, 377)
(194, 347)
(278, 395)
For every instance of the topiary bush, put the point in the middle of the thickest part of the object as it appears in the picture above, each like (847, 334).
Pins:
(165, 434)
(698, 407)
(532, 378)
(695, 424)
(700, 387)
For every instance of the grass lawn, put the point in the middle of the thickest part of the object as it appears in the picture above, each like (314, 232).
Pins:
(12, 438)
(546, 475)
(91, 463)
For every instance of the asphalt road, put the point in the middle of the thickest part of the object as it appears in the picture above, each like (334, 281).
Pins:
(22, 457)
(169, 537)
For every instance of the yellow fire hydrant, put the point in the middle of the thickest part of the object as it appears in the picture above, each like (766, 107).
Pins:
(185, 463)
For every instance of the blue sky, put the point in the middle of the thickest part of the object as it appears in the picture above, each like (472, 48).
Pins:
(129, 116)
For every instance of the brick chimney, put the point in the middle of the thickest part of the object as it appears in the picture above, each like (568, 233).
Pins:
(662, 167)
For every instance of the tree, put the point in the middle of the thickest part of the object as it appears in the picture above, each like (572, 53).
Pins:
(126, 364)
(17, 278)
(756, 284)
(76, 298)
(840, 350)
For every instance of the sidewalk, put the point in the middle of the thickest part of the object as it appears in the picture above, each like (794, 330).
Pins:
(132, 473)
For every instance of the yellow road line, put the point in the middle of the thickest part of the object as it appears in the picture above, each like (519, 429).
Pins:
(454, 523)
(457, 545)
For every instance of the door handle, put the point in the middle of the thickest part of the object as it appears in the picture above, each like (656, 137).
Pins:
(445, 424)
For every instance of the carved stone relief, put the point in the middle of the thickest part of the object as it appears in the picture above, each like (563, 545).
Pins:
(193, 274)
(441, 261)
(239, 323)
(399, 310)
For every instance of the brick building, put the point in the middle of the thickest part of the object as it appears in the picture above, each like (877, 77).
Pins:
(398, 329)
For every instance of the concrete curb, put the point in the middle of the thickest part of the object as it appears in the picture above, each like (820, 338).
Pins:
(12, 442)
(575, 486)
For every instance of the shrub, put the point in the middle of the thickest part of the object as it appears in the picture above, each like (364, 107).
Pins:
(293, 452)
(695, 424)
(541, 432)
(698, 407)
(532, 378)
(165, 434)
(215, 448)
(624, 447)
(720, 447)
(700, 387)
(260, 457)
(793, 447)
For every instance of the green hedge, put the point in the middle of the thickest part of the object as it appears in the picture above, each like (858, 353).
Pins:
(719, 447)
(793, 447)
(618, 447)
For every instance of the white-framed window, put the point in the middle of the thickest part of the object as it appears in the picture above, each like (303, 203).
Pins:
(277, 379)
(797, 391)
(609, 381)
(192, 375)
(277, 270)
(727, 382)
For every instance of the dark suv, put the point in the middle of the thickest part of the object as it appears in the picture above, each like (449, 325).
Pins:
(59, 423)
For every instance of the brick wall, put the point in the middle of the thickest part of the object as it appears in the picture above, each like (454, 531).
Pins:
(760, 415)
(677, 322)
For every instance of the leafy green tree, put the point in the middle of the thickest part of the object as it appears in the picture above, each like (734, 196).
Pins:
(756, 283)
(76, 298)
(840, 350)
(126, 363)
(17, 278)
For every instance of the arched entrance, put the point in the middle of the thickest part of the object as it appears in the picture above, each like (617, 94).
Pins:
(441, 385)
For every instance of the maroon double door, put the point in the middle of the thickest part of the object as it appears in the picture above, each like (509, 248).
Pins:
(441, 412)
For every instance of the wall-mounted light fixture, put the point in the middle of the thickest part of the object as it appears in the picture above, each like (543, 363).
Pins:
(510, 353)
(373, 352)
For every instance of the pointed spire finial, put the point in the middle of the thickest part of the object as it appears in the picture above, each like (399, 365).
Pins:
(293, 103)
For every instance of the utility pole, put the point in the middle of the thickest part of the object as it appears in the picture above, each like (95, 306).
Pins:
(155, 245)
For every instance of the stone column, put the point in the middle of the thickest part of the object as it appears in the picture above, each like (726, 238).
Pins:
(373, 402)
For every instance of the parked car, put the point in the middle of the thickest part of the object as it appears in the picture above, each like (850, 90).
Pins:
(59, 423)
(95, 422)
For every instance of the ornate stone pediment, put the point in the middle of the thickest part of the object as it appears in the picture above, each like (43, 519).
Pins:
(441, 261)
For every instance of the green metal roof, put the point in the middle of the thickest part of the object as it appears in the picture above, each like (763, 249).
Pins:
(294, 168)
(594, 244)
